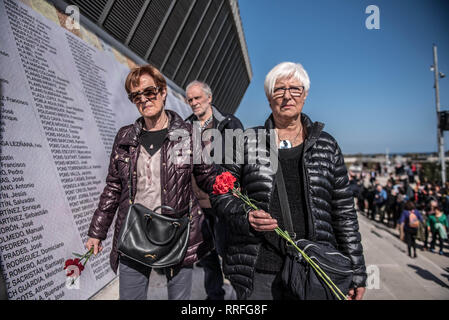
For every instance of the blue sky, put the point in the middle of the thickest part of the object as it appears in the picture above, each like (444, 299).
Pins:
(373, 89)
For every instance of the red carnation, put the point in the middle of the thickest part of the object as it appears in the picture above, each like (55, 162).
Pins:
(220, 188)
(77, 262)
(223, 183)
(68, 262)
(229, 179)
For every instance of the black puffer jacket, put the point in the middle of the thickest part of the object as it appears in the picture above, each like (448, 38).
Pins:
(330, 205)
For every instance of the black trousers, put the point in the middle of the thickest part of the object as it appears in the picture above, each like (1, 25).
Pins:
(213, 274)
(410, 238)
(436, 235)
(268, 286)
(426, 237)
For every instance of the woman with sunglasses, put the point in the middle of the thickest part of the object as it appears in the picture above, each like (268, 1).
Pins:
(146, 150)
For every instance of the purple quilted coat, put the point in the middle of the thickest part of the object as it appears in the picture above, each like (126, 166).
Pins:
(175, 183)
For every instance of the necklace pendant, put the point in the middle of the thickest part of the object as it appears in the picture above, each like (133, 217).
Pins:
(285, 144)
(151, 146)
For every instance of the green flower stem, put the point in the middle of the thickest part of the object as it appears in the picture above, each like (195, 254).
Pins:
(87, 255)
(91, 251)
(286, 236)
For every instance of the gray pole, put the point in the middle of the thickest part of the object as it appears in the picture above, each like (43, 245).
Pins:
(440, 132)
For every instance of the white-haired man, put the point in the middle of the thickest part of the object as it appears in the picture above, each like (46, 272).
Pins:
(199, 97)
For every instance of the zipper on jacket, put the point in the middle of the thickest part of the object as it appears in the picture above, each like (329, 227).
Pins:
(307, 197)
(133, 172)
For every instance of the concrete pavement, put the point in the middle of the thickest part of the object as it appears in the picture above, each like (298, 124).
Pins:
(158, 288)
(397, 276)
(392, 275)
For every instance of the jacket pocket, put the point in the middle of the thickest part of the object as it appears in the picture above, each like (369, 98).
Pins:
(122, 164)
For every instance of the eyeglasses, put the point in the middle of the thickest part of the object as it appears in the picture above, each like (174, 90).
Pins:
(148, 92)
(294, 91)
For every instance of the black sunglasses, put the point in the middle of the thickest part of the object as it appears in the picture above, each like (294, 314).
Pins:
(148, 92)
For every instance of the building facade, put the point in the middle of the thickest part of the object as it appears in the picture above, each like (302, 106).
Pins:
(186, 39)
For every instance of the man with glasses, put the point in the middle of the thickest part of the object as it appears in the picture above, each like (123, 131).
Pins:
(207, 116)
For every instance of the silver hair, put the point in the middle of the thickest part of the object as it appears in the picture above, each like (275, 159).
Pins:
(286, 70)
(206, 89)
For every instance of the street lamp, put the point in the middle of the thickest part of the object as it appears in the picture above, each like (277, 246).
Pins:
(440, 129)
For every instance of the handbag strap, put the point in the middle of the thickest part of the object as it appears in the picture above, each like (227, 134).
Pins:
(130, 183)
(283, 200)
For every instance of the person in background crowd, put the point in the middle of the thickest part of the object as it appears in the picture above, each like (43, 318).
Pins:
(392, 179)
(410, 174)
(145, 150)
(373, 176)
(362, 203)
(409, 229)
(437, 192)
(445, 203)
(429, 211)
(380, 201)
(437, 224)
(409, 193)
(199, 97)
(354, 186)
(399, 208)
(369, 193)
(391, 206)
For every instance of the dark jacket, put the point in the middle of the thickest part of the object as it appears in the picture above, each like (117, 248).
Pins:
(175, 183)
(221, 122)
(329, 204)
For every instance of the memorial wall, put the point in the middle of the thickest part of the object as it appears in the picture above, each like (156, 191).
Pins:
(62, 100)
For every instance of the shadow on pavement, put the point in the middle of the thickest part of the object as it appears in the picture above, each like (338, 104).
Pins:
(447, 274)
(402, 248)
(429, 276)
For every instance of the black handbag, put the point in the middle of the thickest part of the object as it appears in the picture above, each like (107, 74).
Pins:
(297, 275)
(304, 282)
(153, 239)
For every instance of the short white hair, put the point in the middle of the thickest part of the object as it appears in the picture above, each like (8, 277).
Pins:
(204, 86)
(286, 70)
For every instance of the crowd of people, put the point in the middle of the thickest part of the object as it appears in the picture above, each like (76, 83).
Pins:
(405, 197)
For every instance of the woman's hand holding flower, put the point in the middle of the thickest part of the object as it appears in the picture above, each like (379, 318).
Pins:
(261, 221)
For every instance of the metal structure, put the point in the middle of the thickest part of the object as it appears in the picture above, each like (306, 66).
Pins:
(441, 124)
(186, 39)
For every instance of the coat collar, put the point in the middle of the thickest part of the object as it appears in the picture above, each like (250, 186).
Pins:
(313, 129)
(215, 113)
(175, 122)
